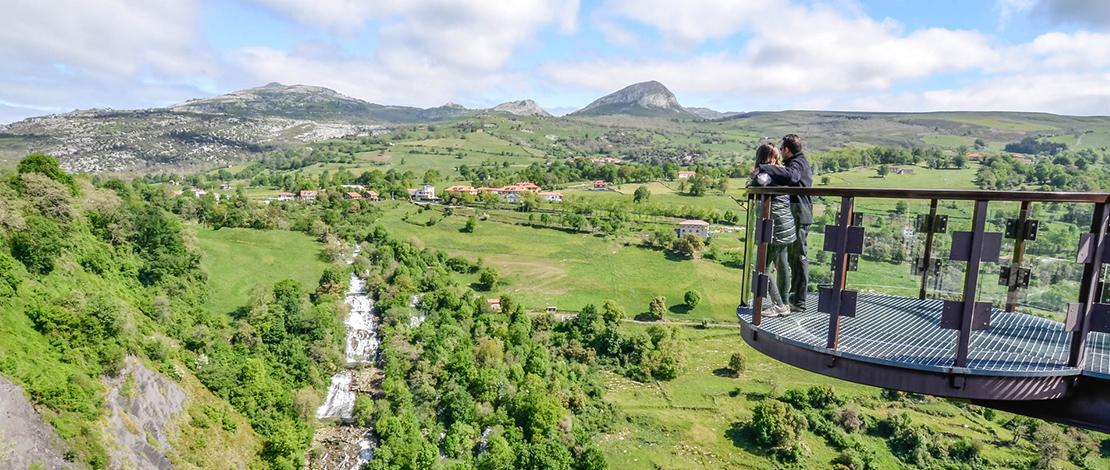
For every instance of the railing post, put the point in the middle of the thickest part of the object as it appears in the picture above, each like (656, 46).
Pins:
(1079, 322)
(763, 232)
(840, 271)
(974, 247)
(927, 257)
(746, 263)
(1015, 263)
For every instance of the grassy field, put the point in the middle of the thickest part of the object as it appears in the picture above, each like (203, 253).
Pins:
(568, 270)
(238, 259)
(696, 421)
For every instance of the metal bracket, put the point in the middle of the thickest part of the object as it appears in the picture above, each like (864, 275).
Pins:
(759, 287)
(1086, 253)
(855, 238)
(1017, 229)
(847, 301)
(920, 265)
(1013, 276)
(1100, 317)
(853, 262)
(938, 224)
(764, 230)
(961, 246)
(953, 310)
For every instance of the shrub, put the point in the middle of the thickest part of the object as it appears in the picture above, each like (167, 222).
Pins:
(776, 424)
(823, 397)
(658, 307)
(363, 410)
(692, 298)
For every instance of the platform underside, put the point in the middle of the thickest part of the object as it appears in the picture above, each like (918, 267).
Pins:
(898, 336)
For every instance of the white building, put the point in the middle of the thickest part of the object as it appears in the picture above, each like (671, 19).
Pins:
(698, 227)
(552, 196)
(424, 192)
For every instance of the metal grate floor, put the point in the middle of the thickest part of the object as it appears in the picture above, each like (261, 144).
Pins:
(905, 332)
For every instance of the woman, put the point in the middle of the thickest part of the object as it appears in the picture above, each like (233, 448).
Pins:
(782, 235)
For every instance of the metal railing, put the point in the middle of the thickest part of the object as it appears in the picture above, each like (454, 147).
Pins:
(846, 237)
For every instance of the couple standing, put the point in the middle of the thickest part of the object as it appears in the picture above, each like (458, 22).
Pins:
(792, 216)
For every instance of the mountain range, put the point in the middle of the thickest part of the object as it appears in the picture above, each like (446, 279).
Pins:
(227, 129)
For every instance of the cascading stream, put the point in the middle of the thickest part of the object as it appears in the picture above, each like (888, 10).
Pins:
(363, 346)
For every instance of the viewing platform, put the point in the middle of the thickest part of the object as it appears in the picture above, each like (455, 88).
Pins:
(944, 312)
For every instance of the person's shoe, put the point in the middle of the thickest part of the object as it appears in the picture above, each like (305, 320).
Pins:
(771, 312)
(797, 308)
(783, 310)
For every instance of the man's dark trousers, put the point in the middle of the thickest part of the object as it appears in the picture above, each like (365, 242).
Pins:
(798, 254)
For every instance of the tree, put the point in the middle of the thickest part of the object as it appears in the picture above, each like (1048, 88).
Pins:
(658, 307)
(698, 185)
(612, 311)
(883, 170)
(431, 176)
(825, 180)
(960, 160)
(738, 363)
(901, 207)
(471, 225)
(641, 195)
(692, 298)
(48, 166)
(689, 245)
(488, 277)
(38, 245)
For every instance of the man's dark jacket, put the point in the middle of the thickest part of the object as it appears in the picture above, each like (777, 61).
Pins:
(795, 172)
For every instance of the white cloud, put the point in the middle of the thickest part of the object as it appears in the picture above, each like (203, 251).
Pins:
(830, 52)
(693, 21)
(468, 34)
(1079, 51)
(402, 80)
(1008, 8)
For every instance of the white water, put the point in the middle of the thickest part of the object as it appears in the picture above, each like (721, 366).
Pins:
(362, 347)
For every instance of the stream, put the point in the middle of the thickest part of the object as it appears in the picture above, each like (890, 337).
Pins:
(363, 347)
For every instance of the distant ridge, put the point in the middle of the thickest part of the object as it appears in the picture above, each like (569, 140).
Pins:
(706, 113)
(650, 99)
(521, 108)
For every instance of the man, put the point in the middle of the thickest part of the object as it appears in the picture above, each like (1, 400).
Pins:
(797, 173)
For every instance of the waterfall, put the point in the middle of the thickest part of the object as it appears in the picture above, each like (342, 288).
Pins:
(363, 347)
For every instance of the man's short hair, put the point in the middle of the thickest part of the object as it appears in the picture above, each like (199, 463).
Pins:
(792, 142)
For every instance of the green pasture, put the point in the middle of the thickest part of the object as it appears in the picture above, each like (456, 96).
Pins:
(238, 259)
(569, 270)
(697, 420)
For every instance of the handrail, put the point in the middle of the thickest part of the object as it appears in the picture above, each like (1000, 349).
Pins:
(843, 239)
(951, 194)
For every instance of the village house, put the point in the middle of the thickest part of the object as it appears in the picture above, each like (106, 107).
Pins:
(308, 195)
(459, 188)
(199, 193)
(225, 187)
(424, 192)
(697, 227)
(552, 196)
(285, 196)
(484, 189)
(352, 195)
(173, 182)
(600, 185)
(684, 175)
(494, 304)
(371, 195)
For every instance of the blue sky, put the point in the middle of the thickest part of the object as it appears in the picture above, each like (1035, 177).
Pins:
(729, 55)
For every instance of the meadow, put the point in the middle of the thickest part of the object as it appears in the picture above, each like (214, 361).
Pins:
(238, 259)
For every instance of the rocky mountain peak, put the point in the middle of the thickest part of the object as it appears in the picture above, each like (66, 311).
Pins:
(521, 108)
(649, 98)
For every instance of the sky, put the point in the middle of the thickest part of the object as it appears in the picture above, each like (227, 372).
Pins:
(729, 55)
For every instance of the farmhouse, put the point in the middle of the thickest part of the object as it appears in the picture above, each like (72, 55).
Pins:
(494, 304)
(285, 196)
(225, 187)
(461, 189)
(424, 192)
(683, 175)
(371, 195)
(352, 195)
(552, 196)
(308, 195)
(600, 185)
(697, 227)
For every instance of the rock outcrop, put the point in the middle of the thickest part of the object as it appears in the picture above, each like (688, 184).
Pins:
(642, 99)
(521, 108)
(25, 439)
